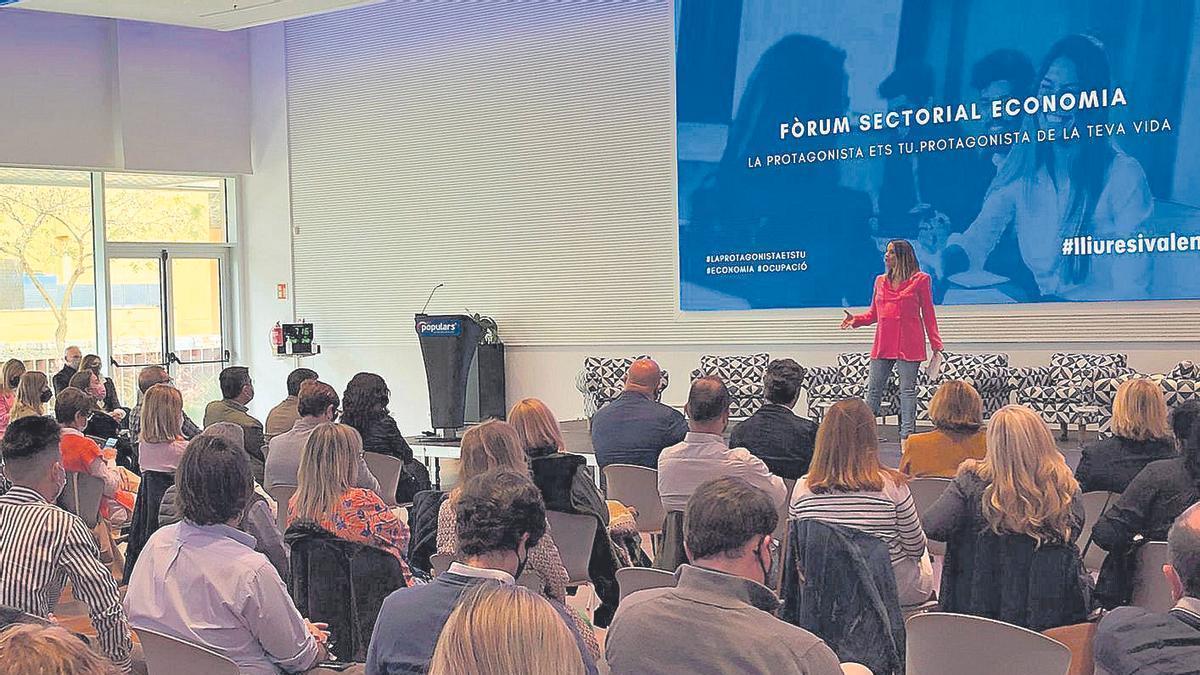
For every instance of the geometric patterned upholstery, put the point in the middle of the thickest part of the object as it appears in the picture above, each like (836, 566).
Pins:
(603, 379)
(988, 373)
(827, 385)
(1179, 386)
(742, 375)
(1063, 393)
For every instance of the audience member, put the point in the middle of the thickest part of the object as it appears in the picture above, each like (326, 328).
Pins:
(1136, 640)
(73, 408)
(566, 485)
(957, 414)
(775, 434)
(110, 400)
(33, 393)
(200, 580)
(283, 417)
(505, 629)
(1017, 509)
(719, 616)
(1140, 436)
(26, 649)
(634, 427)
(704, 455)
(317, 404)
(101, 423)
(495, 445)
(161, 443)
(148, 377)
(365, 407)
(10, 379)
(847, 486)
(72, 357)
(326, 494)
(499, 519)
(42, 546)
(237, 390)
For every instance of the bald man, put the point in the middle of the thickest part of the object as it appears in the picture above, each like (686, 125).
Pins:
(1134, 640)
(634, 427)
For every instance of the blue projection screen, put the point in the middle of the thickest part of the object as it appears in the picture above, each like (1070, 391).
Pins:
(1031, 150)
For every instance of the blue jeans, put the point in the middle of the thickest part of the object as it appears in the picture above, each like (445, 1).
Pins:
(881, 371)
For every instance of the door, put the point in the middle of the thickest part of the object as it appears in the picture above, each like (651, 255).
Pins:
(169, 309)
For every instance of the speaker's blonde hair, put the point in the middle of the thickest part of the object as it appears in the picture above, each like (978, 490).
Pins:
(328, 468)
(1030, 486)
(505, 629)
(1140, 411)
(536, 427)
(162, 415)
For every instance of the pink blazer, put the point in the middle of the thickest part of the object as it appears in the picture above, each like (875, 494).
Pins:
(903, 316)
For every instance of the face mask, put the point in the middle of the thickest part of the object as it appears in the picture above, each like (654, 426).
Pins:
(12, 384)
(521, 562)
(766, 569)
(97, 390)
(60, 481)
(47, 395)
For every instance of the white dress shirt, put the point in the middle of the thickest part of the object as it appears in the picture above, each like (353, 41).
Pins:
(702, 457)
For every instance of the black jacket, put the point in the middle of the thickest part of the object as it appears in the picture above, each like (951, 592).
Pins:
(838, 584)
(1153, 500)
(62, 379)
(341, 583)
(1111, 463)
(422, 527)
(145, 515)
(1006, 577)
(383, 436)
(780, 438)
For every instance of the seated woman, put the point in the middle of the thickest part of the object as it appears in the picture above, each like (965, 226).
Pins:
(104, 423)
(10, 379)
(957, 414)
(1140, 436)
(846, 485)
(109, 400)
(365, 407)
(326, 494)
(33, 393)
(72, 409)
(566, 485)
(160, 441)
(1016, 510)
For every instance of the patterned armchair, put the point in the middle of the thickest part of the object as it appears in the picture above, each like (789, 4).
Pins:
(603, 379)
(1180, 385)
(848, 379)
(743, 375)
(988, 373)
(1064, 392)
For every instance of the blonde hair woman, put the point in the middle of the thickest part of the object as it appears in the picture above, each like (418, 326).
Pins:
(1023, 495)
(326, 494)
(957, 414)
(496, 445)
(846, 485)
(504, 629)
(1140, 435)
(160, 442)
(33, 393)
(10, 377)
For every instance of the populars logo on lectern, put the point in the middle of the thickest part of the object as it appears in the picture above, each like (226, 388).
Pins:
(443, 328)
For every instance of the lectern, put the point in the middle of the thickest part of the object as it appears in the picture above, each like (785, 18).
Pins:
(448, 344)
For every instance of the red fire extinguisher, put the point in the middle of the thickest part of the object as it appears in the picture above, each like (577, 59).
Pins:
(277, 338)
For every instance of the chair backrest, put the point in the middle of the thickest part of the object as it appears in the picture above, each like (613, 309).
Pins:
(166, 655)
(637, 487)
(1094, 506)
(440, 562)
(574, 534)
(925, 491)
(387, 471)
(634, 579)
(1150, 589)
(282, 494)
(82, 495)
(855, 669)
(942, 643)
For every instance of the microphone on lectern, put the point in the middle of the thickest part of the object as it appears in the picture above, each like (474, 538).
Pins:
(427, 300)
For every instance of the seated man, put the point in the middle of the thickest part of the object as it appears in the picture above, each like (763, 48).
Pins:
(317, 404)
(148, 377)
(500, 517)
(1134, 640)
(237, 390)
(42, 546)
(201, 581)
(634, 427)
(72, 358)
(718, 618)
(283, 417)
(703, 454)
(779, 437)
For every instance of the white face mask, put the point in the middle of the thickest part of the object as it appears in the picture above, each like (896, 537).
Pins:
(60, 480)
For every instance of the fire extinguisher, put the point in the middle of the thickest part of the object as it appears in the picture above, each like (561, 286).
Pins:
(277, 338)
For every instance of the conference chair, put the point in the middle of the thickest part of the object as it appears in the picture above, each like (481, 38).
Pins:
(780, 534)
(440, 562)
(634, 579)
(1150, 589)
(637, 487)
(82, 495)
(166, 655)
(942, 643)
(855, 669)
(574, 534)
(387, 471)
(925, 491)
(282, 494)
(1094, 506)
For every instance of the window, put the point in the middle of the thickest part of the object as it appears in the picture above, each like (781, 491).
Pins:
(157, 208)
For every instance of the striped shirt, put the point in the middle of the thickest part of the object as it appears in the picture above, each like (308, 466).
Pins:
(41, 548)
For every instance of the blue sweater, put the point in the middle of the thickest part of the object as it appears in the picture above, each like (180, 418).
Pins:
(633, 429)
